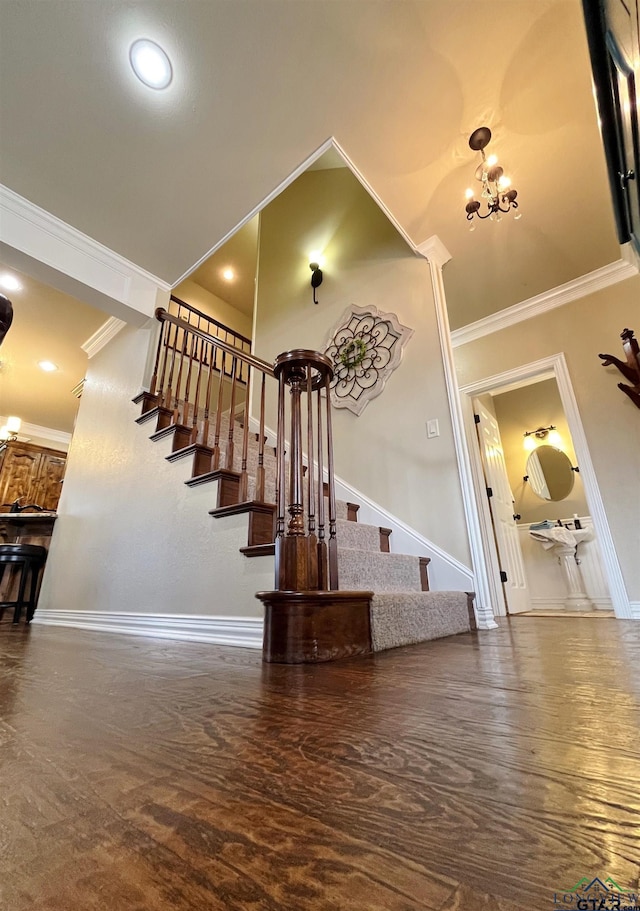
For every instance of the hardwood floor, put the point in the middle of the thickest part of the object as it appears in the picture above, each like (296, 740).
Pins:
(479, 773)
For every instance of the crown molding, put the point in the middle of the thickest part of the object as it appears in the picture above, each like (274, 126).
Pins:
(434, 251)
(102, 336)
(44, 239)
(548, 300)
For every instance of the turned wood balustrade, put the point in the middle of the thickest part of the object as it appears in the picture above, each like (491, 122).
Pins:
(201, 387)
(306, 558)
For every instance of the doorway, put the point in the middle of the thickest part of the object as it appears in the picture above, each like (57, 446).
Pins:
(502, 536)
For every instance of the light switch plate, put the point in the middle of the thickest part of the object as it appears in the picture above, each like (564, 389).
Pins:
(433, 429)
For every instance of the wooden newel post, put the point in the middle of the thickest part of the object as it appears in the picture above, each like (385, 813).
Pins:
(301, 562)
(306, 618)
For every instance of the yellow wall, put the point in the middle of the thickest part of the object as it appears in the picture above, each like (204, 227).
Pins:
(582, 329)
(384, 452)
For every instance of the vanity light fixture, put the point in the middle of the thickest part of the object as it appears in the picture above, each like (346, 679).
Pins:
(496, 186)
(533, 438)
(150, 63)
(316, 273)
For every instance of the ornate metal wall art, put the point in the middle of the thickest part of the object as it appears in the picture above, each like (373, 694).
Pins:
(365, 347)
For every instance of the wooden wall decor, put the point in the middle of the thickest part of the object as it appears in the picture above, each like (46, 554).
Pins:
(630, 369)
(365, 346)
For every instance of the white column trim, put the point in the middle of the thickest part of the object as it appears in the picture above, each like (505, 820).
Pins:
(102, 336)
(437, 255)
(548, 300)
(556, 365)
(243, 632)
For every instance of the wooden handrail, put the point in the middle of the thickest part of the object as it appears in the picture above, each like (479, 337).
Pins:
(189, 399)
(250, 359)
(209, 319)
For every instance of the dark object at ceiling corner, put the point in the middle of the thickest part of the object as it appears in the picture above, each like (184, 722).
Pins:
(6, 316)
(613, 74)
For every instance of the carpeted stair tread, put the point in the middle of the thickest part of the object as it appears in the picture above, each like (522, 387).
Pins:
(378, 572)
(356, 535)
(405, 618)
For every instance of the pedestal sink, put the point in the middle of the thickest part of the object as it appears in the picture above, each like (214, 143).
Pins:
(564, 542)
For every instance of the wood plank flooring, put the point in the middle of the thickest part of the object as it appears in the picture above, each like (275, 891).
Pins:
(479, 773)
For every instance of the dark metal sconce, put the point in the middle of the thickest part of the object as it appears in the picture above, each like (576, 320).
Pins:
(316, 278)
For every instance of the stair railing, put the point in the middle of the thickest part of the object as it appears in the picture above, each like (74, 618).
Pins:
(198, 378)
(208, 324)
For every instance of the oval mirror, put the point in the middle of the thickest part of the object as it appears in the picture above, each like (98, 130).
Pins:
(550, 473)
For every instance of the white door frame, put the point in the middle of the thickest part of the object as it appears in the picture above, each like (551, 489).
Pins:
(550, 367)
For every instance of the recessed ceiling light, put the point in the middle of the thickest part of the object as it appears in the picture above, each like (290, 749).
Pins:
(9, 282)
(150, 63)
(228, 274)
(48, 366)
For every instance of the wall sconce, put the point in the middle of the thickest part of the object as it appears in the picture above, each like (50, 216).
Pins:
(316, 278)
(533, 438)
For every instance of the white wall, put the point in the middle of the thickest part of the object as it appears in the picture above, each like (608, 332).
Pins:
(131, 536)
(385, 451)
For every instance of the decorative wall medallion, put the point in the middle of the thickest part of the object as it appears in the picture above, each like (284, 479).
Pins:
(365, 347)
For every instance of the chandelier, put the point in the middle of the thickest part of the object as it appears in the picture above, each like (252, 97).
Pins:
(496, 187)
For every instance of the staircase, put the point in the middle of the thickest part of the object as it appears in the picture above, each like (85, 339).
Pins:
(349, 594)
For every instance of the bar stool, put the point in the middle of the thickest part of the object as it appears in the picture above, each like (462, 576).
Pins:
(29, 558)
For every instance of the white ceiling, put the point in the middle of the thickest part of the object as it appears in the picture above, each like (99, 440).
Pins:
(162, 177)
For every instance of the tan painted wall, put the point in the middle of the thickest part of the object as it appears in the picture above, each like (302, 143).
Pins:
(193, 293)
(384, 452)
(538, 405)
(131, 536)
(581, 330)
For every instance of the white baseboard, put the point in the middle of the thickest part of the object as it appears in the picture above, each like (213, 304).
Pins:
(546, 604)
(243, 632)
(603, 604)
(634, 607)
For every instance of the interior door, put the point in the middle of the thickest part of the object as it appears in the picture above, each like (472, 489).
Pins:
(501, 505)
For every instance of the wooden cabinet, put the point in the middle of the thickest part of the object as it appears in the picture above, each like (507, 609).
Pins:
(32, 472)
(613, 32)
